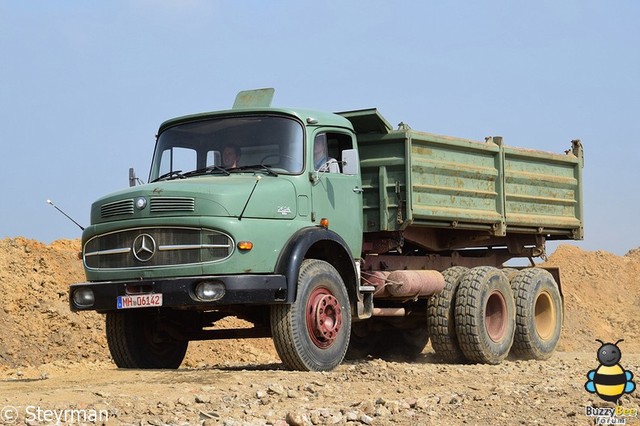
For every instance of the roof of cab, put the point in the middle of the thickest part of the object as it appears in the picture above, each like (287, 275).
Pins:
(307, 116)
(258, 101)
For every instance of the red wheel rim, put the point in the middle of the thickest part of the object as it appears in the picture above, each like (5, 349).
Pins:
(496, 316)
(324, 317)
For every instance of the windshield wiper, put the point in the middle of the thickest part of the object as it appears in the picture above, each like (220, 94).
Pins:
(208, 169)
(170, 175)
(255, 166)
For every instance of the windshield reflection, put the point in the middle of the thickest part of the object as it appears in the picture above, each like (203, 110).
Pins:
(271, 144)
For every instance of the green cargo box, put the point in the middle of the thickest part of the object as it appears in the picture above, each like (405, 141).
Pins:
(414, 178)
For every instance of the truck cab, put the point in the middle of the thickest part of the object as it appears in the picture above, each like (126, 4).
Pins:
(209, 237)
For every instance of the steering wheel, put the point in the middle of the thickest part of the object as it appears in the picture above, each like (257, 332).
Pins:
(294, 164)
(278, 156)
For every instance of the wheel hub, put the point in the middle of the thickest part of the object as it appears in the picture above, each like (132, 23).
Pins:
(324, 317)
(545, 316)
(496, 316)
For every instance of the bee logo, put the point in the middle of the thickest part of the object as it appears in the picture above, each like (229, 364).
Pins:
(609, 381)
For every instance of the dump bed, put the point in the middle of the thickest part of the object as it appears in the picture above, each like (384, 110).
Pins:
(414, 178)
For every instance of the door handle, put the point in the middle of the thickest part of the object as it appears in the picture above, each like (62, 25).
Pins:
(358, 190)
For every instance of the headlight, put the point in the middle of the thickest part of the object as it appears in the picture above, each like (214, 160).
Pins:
(83, 298)
(141, 203)
(209, 291)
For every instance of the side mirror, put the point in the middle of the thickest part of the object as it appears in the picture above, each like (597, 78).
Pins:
(350, 162)
(133, 179)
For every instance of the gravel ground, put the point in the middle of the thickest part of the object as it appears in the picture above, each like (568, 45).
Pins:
(369, 392)
(55, 366)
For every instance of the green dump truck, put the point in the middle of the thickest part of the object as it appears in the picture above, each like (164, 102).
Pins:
(334, 234)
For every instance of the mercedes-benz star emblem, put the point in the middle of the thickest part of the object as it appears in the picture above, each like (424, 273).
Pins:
(144, 247)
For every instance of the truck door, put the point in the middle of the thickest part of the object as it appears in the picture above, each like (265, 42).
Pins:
(335, 195)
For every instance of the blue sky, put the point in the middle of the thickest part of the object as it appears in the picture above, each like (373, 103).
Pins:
(85, 84)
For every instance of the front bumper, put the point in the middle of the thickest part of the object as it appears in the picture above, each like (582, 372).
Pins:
(180, 292)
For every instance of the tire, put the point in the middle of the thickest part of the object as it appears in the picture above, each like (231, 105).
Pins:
(362, 341)
(406, 343)
(485, 315)
(312, 334)
(539, 314)
(384, 339)
(136, 342)
(441, 317)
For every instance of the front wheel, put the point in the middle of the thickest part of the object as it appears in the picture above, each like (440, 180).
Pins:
(312, 334)
(136, 340)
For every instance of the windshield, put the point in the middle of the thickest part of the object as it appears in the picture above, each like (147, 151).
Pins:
(270, 144)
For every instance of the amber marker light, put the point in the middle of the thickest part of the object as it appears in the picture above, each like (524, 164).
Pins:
(245, 245)
(324, 222)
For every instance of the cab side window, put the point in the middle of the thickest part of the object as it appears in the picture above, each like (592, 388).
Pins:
(335, 143)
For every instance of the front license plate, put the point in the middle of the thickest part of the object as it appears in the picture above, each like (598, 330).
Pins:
(140, 301)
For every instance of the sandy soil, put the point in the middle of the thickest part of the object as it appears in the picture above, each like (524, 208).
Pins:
(54, 364)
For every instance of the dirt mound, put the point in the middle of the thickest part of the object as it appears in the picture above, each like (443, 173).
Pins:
(601, 297)
(601, 292)
(38, 327)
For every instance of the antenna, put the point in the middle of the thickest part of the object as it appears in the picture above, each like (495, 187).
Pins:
(67, 216)
(250, 195)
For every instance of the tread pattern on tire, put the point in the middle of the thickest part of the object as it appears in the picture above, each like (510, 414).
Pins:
(281, 326)
(473, 338)
(286, 331)
(441, 316)
(116, 330)
(525, 287)
(129, 350)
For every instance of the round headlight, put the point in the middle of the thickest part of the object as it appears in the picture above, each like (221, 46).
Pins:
(209, 291)
(141, 203)
(83, 297)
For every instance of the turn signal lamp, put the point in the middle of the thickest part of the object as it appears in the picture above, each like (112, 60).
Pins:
(324, 222)
(245, 245)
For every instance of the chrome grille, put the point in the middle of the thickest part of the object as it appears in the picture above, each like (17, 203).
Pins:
(156, 247)
(172, 204)
(120, 207)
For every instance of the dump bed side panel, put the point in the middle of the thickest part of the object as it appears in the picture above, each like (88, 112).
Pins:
(456, 183)
(453, 183)
(543, 192)
(420, 179)
(460, 184)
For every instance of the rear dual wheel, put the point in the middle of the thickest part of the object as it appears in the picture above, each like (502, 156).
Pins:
(441, 315)
(539, 314)
(485, 315)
